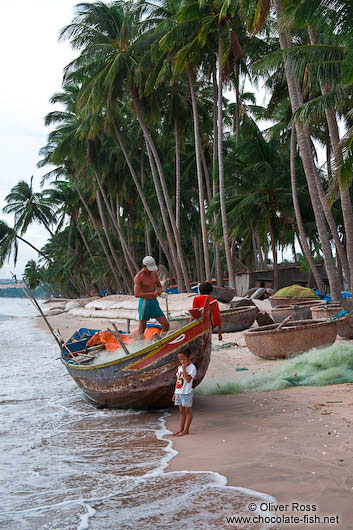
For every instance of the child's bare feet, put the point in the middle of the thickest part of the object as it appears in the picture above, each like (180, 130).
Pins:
(183, 433)
(175, 433)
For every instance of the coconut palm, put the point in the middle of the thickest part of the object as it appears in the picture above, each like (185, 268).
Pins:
(251, 11)
(28, 207)
(107, 38)
(9, 244)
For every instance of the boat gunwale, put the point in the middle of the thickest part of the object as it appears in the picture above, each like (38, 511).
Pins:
(148, 349)
(295, 327)
(242, 309)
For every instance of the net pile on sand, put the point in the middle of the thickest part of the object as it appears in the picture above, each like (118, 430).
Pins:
(296, 291)
(328, 366)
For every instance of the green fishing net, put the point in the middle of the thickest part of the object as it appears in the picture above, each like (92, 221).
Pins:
(294, 291)
(319, 367)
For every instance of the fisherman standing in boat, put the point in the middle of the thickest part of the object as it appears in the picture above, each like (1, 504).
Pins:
(147, 287)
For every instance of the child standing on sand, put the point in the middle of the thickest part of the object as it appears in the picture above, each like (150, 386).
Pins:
(183, 391)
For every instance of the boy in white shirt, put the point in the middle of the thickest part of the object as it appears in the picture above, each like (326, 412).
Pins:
(183, 391)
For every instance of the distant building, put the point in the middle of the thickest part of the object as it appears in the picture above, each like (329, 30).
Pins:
(287, 275)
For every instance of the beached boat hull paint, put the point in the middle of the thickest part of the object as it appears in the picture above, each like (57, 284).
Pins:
(344, 324)
(146, 379)
(293, 339)
(223, 294)
(237, 319)
(277, 301)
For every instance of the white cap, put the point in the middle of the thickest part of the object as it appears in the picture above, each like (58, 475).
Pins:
(149, 263)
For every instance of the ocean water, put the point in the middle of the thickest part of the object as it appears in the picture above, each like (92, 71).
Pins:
(65, 465)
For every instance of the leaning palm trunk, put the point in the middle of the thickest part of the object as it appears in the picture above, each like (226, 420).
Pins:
(218, 266)
(85, 243)
(104, 248)
(298, 215)
(304, 143)
(165, 218)
(141, 194)
(274, 254)
(227, 247)
(110, 243)
(129, 259)
(199, 172)
(155, 155)
(346, 202)
(177, 176)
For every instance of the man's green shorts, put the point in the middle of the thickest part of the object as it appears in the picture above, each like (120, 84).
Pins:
(149, 308)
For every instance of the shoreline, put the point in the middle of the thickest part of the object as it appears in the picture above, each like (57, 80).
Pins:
(292, 444)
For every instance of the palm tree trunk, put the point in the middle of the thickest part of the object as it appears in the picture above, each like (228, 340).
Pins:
(304, 143)
(346, 203)
(191, 76)
(165, 219)
(227, 248)
(129, 259)
(237, 103)
(154, 152)
(110, 243)
(141, 194)
(298, 215)
(33, 247)
(217, 253)
(207, 176)
(85, 243)
(177, 176)
(104, 248)
(274, 254)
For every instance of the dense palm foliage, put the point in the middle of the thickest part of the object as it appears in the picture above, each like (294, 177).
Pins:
(146, 155)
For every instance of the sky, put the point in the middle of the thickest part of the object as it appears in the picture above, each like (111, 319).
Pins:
(32, 61)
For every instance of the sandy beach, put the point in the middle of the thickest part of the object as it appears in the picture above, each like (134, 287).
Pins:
(294, 444)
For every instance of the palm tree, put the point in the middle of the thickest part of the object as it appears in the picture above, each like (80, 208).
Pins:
(28, 207)
(32, 274)
(9, 244)
(250, 13)
(106, 36)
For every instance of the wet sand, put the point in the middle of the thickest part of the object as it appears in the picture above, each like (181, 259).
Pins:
(294, 444)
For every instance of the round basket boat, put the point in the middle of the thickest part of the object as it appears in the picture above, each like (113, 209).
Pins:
(237, 319)
(301, 311)
(277, 301)
(294, 338)
(344, 324)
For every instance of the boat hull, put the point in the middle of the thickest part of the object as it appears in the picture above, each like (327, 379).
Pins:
(145, 379)
(237, 319)
(293, 339)
(301, 311)
(344, 324)
(277, 301)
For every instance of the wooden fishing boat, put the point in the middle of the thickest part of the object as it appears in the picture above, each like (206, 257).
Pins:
(145, 379)
(178, 322)
(223, 294)
(292, 339)
(277, 301)
(237, 319)
(300, 311)
(344, 323)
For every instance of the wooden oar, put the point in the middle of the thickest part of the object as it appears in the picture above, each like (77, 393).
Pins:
(117, 335)
(284, 322)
